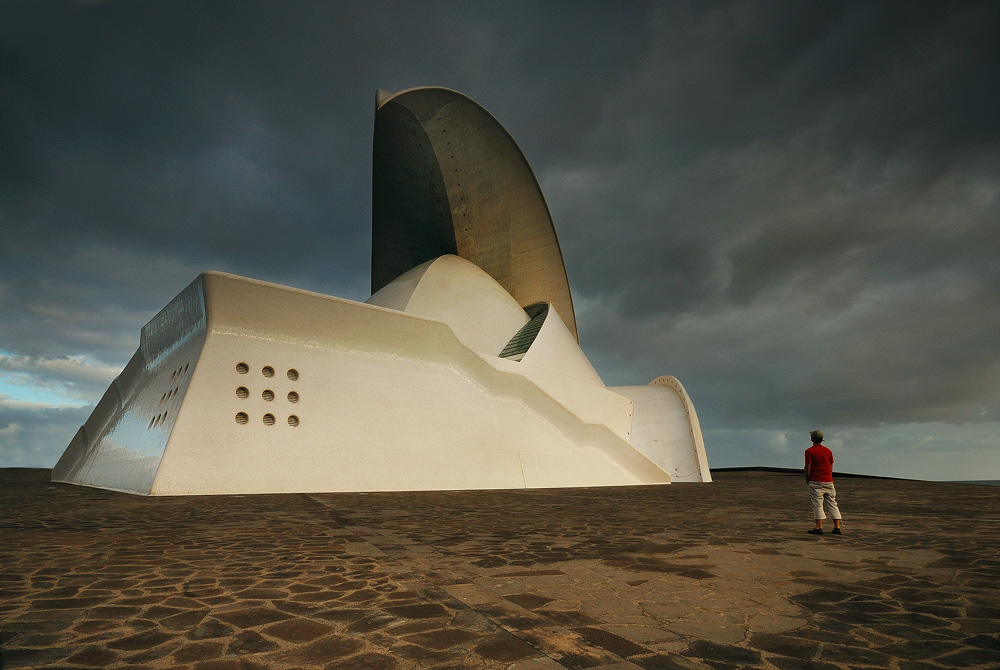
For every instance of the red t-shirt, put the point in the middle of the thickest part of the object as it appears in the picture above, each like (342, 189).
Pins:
(820, 462)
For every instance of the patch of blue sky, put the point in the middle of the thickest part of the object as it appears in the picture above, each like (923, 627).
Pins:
(20, 388)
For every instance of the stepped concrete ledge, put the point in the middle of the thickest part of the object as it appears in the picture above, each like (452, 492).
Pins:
(681, 576)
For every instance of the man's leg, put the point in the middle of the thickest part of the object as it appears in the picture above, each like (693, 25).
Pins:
(816, 496)
(830, 503)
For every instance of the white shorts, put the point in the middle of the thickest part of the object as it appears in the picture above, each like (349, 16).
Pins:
(823, 494)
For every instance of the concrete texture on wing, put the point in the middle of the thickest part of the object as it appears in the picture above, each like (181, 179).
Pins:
(447, 178)
(462, 371)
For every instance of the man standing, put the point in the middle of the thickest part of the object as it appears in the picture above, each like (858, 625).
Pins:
(819, 474)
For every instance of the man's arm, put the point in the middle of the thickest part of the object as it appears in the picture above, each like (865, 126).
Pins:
(807, 470)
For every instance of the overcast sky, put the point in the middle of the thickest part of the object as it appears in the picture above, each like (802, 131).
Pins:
(792, 207)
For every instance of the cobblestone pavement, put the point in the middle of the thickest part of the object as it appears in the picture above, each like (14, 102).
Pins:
(681, 576)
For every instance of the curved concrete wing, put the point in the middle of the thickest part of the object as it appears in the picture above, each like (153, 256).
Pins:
(665, 428)
(447, 178)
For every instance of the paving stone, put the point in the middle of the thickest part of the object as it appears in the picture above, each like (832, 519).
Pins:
(262, 594)
(921, 649)
(537, 663)
(614, 643)
(328, 648)
(253, 616)
(567, 617)
(531, 579)
(837, 653)
(422, 611)
(707, 651)
(31, 657)
(968, 658)
(229, 664)
(198, 651)
(249, 642)
(799, 664)
(297, 630)
(210, 629)
(184, 620)
(410, 626)
(442, 638)
(505, 647)
(983, 641)
(371, 623)
(366, 661)
(529, 600)
(567, 648)
(93, 655)
(785, 646)
(144, 640)
(669, 662)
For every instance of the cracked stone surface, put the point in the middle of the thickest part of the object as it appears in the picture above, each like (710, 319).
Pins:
(681, 576)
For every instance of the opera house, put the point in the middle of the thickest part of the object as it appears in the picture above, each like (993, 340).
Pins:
(462, 370)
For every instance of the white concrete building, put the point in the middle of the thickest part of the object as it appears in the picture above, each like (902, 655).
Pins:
(461, 371)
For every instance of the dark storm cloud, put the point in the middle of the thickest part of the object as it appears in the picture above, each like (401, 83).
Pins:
(797, 211)
(791, 207)
(232, 132)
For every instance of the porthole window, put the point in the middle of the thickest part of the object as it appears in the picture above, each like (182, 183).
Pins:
(242, 368)
(243, 393)
(293, 396)
(268, 419)
(242, 418)
(267, 395)
(293, 421)
(267, 371)
(293, 375)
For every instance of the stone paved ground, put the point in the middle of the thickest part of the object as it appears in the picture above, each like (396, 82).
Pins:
(680, 576)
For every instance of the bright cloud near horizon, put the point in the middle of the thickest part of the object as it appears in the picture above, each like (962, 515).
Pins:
(792, 207)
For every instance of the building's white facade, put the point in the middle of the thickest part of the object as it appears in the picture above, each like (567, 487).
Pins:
(443, 379)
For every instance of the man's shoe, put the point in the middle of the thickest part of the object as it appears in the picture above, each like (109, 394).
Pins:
(836, 531)
(815, 531)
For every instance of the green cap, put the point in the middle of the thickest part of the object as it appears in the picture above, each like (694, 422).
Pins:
(816, 435)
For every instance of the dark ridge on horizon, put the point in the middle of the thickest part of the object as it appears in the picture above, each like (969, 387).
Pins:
(798, 471)
(761, 468)
(849, 475)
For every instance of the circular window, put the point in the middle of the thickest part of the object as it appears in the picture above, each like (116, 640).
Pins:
(242, 368)
(267, 371)
(243, 393)
(267, 395)
(242, 418)
(268, 419)
(293, 396)
(293, 421)
(293, 375)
